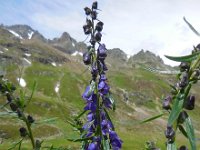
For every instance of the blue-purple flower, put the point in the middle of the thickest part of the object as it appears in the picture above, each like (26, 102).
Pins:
(115, 141)
(102, 51)
(87, 94)
(103, 88)
(91, 103)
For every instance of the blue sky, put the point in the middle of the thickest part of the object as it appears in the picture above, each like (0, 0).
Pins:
(132, 25)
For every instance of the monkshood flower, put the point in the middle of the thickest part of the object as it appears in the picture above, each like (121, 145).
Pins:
(103, 88)
(98, 132)
(115, 141)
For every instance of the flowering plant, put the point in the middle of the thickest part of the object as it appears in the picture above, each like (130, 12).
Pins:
(98, 133)
(181, 100)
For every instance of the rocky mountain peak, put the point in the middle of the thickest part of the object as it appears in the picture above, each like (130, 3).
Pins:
(65, 36)
(148, 59)
(21, 31)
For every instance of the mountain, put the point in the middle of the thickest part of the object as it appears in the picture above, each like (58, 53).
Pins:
(24, 32)
(67, 44)
(149, 60)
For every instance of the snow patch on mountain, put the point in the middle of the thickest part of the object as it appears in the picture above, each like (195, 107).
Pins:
(22, 82)
(77, 53)
(30, 35)
(54, 64)
(29, 62)
(27, 54)
(15, 34)
(57, 87)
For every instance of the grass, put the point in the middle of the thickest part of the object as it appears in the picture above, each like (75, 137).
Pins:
(46, 103)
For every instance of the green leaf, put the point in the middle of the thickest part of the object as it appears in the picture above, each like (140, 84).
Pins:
(80, 139)
(49, 121)
(182, 129)
(107, 115)
(15, 144)
(82, 113)
(92, 87)
(176, 109)
(106, 145)
(112, 101)
(152, 118)
(32, 91)
(187, 58)
(191, 27)
(171, 146)
(190, 133)
(21, 101)
(71, 123)
(6, 114)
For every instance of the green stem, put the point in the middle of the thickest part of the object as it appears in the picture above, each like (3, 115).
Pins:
(194, 66)
(30, 133)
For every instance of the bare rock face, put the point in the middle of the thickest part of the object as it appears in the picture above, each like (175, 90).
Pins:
(67, 44)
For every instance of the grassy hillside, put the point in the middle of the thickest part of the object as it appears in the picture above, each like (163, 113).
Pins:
(143, 91)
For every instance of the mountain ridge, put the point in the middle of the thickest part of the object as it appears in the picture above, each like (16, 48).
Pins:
(67, 44)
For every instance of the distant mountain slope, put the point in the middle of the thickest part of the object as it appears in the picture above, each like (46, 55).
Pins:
(149, 60)
(24, 39)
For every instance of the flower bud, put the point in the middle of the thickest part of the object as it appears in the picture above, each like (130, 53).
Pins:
(89, 22)
(87, 11)
(13, 106)
(87, 29)
(23, 132)
(182, 116)
(92, 41)
(86, 58)
(94, 71)
(166, 102)
(19, 113)
(94, 5)
(184, 66)
(196, 74)
(169, 133)
(183, 147)
(190, 102)
(99, 26)
(94, 15)
(9, 97)
(98, 36)
(184, 80)
(30, 119)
